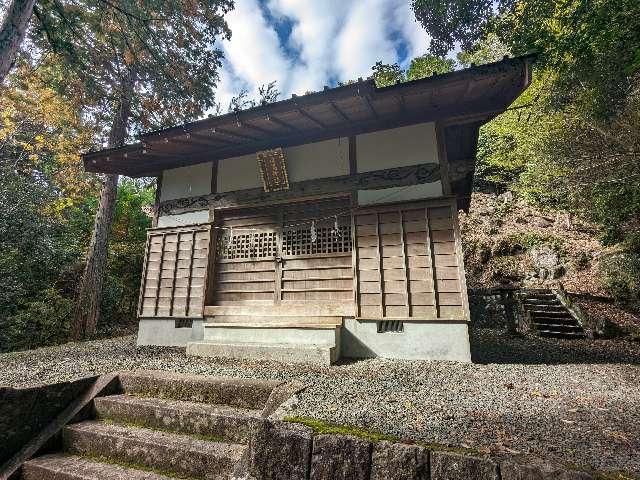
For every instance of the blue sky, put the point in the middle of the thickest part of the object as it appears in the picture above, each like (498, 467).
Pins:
(306, 44)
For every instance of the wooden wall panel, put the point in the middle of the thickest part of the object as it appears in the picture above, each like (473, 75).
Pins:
(175, 271)
(408, 262)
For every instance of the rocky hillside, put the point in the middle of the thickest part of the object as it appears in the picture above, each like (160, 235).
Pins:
(509, 243)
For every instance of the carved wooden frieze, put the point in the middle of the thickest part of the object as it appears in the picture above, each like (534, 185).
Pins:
(378, 179)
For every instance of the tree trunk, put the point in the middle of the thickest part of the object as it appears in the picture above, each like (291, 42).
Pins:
(12, 33)
(87, 310)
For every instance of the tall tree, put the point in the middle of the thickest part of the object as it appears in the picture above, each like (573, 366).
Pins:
(12, 32)
(140, 65)
(87, 311)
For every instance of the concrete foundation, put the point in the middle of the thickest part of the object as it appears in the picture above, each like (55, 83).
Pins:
(356, 339)
(419, 341)
(163, 332)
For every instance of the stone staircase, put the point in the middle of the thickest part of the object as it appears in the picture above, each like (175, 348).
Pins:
(291, 334)
(549, 317)
(159, 426)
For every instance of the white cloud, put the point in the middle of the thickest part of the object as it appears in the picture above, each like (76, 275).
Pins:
(414, 35)
(331, 39)
(253, 56)
(365, 39)
(314, 29)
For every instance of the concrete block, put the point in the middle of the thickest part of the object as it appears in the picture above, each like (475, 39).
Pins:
(340, 457)
(419, 341)
(452, 466)
(273, 335)
(289, 353)
(280, 450)
(396, 461)
(162, 332)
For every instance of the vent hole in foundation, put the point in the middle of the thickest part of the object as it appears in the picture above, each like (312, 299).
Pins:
(390, 326)
(184, 323)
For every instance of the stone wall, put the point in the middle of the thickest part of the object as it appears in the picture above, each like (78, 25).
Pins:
(26, 411)
(499, 308)
(281, 450)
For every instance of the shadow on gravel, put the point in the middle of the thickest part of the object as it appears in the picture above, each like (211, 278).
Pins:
(498, 346)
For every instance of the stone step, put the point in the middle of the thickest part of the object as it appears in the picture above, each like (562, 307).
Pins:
(555, 321)
(237, 333)
(558, 327)
(554, 314)
(243, 393)
(290, 353)
(541, 295)
(168, 452)
(545, 306)
(552, 333)
(233, 424)
(72, 467)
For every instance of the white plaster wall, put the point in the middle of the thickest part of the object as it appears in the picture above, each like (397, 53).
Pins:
(400, 194)
(185, 182)
(419, 341)
(238, 173)
(318, 160)
(329, 158)
(398, 147)
(189, 218)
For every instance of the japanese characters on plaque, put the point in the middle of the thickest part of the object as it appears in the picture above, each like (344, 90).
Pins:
(273, 170)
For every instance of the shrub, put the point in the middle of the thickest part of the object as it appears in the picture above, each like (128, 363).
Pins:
(621, 278)
(520, 242)
(40, 322)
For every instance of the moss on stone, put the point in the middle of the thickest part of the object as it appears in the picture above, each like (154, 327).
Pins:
(197, 436)
(136, 466)
(321, 428)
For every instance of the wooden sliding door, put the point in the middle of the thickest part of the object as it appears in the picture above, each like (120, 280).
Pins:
(409, 263)
(284, 255)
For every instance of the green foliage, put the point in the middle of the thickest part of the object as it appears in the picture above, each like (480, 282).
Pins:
(168, 46)
(453, 21)
(126, 253)
(39, 322)
(428, 65)
(322, 428)
(385, 75)
(490, 49)
(520, 242)
(621, 277)
(421, 67)
(46, 217)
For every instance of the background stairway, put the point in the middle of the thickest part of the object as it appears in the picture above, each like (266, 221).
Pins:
(549, 318)
(159, 426)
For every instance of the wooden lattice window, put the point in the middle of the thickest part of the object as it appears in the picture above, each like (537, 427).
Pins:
(233, 245)
(175, 270)
(300, 241)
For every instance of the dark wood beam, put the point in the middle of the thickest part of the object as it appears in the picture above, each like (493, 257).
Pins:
(282, 123)
(370, 108)
(339, 112)
(238, 136)
(379, 179)
(353, 158)
(313, 120)
(255, 128)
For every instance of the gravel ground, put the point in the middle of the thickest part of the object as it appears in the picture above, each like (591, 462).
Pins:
(573, 401)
